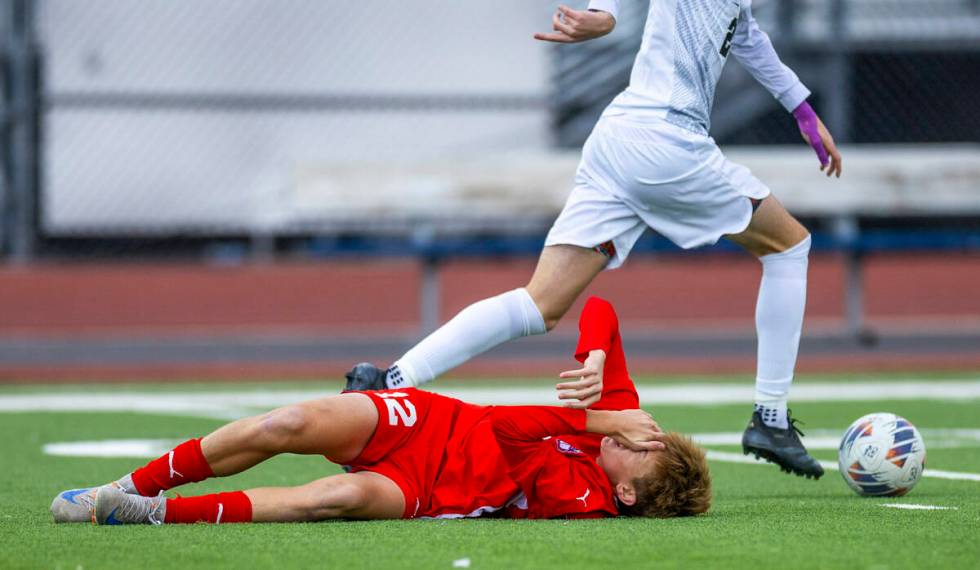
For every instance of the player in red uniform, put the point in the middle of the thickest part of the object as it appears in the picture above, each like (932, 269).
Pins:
(418, 454)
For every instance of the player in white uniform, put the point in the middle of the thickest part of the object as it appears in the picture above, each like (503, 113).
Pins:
(650, 163)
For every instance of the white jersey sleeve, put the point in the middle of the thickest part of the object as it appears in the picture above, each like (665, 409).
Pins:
(611, 6)
(753, 49)
(684, 49)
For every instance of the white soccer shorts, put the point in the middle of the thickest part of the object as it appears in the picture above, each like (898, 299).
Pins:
(633, 176)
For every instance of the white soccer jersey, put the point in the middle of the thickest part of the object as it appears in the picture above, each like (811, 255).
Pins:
(685, 46)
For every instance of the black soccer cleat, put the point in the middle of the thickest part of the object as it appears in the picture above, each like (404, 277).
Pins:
(365, 376)
(780, 446)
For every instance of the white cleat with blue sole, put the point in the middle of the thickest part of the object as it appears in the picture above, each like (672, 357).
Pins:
(114, 506)
(75, 505)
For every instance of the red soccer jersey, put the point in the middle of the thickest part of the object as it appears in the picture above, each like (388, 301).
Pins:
(556, 478)
(453, 459)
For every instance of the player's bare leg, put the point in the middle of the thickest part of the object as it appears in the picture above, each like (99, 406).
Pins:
(772, 230)
(351, 496)
(363, 495)
(562, 273)
(782, 244)
(338, 427)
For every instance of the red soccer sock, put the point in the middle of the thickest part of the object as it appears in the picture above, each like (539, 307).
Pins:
(218, 508)
(184, 464)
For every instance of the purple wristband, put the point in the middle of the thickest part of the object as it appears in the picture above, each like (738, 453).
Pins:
(807, 119)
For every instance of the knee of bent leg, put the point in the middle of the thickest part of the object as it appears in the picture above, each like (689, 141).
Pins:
(551, 312)
(797, 244)
(280, 426)
(800, 246)
(551, 321)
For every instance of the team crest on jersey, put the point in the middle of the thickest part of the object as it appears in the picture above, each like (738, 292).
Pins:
(567, 448)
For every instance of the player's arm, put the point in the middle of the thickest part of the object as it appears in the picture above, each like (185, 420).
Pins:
(547, 475)
(572, 26)
(520, 430)
(754, 50)
(603, 381)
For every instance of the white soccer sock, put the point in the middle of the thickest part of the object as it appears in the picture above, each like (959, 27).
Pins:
(773, 414)
(475, 330)
(779, 322)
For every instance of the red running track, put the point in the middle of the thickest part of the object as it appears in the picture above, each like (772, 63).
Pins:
(699, 294)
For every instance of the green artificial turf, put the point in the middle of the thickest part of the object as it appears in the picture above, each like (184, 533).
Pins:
(761, 518)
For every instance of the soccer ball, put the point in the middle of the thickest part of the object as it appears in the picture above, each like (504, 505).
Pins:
(881, 455)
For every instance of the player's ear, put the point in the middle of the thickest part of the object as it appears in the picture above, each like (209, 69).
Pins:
(626, 494)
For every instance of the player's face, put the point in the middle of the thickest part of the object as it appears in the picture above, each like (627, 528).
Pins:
(621, 463)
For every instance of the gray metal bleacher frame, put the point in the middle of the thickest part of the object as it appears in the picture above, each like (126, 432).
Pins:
(19, 129)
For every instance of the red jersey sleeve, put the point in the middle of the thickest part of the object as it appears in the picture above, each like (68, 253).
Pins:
(557, 479)
(599, 330)
(520, 432)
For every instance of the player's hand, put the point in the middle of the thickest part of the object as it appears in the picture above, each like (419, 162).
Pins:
(571, 26)
(637, 430)
(815, 133)
(830, 159)
(587, 390)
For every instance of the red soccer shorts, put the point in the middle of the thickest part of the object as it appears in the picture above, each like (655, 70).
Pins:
(438, 450)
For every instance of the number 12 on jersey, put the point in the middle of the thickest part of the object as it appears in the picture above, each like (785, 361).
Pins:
(400, 409)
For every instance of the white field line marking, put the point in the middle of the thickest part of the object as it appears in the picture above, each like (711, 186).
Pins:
(912, 507)
(829, 439)
(230, 404)
(729, 457)
(111, 448)
(715, 393)
(955, 475)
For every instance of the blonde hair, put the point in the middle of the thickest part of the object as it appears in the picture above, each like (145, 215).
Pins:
(679, 484)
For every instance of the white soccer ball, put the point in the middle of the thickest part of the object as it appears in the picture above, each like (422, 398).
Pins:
(881, 455)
